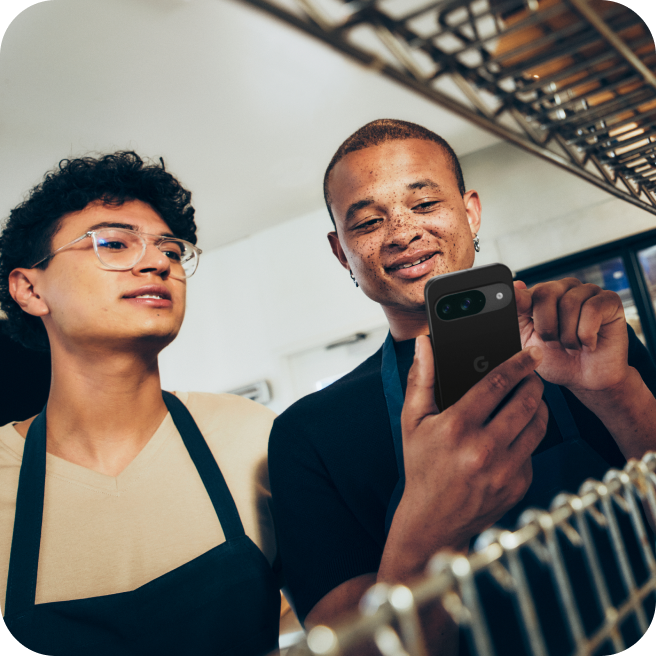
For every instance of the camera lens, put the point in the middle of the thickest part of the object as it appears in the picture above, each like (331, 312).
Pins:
(465, 303)
(446, 308)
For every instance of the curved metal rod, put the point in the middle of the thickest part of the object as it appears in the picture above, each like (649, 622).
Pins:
(450, 578)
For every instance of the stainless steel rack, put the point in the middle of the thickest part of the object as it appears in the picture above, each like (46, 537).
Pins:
(389, 616)
(569, 80)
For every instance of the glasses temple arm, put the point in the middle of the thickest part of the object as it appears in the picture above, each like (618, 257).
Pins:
(61, 248)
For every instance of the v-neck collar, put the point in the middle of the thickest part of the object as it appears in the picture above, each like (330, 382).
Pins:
(77, 474)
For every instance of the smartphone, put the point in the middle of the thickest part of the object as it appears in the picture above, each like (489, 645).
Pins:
(473, 323)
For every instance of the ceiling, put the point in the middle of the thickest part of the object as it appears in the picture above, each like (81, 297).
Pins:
(246, 110)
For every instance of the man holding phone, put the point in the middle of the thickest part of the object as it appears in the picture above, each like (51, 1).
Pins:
(401, 213)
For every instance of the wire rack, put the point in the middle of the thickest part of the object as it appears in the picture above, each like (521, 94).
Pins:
(389, 616)
(569, 80)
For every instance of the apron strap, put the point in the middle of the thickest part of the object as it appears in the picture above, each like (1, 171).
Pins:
(207, 467)
(26, 538)
(393, 398)
(389, 371)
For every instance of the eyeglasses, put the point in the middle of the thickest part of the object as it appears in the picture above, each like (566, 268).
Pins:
(121, 249)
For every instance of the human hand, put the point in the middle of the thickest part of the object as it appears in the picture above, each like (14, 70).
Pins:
(581, 329)
(464, 469)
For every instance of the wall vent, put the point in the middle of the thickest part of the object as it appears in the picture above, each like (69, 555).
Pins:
(259, 391)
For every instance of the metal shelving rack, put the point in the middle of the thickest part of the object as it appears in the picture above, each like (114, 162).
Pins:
(571, 81)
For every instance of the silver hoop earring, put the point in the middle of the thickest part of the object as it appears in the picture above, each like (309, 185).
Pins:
(477, 246)
(353, 278)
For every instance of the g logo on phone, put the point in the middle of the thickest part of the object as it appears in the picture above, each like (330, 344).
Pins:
(481, 364)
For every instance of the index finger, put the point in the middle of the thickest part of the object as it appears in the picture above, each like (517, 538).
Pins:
(481, 400)
(523, 298)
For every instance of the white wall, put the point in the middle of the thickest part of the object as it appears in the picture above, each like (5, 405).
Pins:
(254, 302)
(534, 211)
(280, 292)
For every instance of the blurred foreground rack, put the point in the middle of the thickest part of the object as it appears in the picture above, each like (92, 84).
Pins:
(551, 585)
(569, 80)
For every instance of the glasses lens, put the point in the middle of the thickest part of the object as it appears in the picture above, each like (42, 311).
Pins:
(183, 257)
(122, 249)
(118, 249)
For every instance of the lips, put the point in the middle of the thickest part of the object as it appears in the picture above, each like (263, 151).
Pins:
(408, 262)
(414, 265)
(150, 296)
(158, 291)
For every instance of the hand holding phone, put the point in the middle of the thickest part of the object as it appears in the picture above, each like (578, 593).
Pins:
(467, 466)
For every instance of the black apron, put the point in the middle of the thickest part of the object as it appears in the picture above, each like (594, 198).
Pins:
(562, 468)
(225, 602)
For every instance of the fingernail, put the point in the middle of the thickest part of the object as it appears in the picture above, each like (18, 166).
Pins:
(535, 352)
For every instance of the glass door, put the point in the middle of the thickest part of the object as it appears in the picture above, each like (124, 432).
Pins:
(647, 259)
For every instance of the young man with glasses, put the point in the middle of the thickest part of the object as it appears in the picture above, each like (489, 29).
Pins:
(365, 493)
(132, 521)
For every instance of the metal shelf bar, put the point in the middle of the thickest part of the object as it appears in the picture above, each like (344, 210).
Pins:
(537, 126)
(613, 39)
(585, 65)
(572, 48)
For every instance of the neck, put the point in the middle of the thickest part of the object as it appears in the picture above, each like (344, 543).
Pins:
(103, 407)
(406, 324)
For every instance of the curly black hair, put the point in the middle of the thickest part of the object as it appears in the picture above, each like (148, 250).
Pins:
(112, 179)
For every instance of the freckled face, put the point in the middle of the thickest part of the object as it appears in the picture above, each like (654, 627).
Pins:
(400, 220)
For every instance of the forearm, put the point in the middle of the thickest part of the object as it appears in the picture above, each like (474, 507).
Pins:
(439, 629)
(629, 413)
(407, 552)
(341, 604)
(414, 537)
(404, 561)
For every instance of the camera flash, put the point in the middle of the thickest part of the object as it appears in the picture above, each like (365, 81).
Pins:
(499, 296)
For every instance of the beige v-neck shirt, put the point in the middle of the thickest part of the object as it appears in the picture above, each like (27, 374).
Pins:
(103, 535)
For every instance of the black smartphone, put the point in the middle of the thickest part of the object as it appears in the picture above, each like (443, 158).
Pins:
(472, 317)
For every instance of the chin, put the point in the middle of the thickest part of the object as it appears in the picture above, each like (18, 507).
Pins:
(407, 302)
(159, 337)
(161, 327)
(418, 307)
(150, 337)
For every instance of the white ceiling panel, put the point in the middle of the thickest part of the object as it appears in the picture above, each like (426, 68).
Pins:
(245, 110)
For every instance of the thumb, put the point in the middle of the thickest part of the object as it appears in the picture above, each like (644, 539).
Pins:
(420, 391)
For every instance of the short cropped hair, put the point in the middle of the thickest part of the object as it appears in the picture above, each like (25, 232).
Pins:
(390, 129)
(111, 179)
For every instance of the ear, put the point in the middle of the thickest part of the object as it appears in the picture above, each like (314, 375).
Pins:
(473, 208)
(22, 289)
(338, 251)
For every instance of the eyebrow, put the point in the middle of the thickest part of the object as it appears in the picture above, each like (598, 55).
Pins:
(422, 184)
(366, 202)
(355, 207)
(109, 224)
(125, 226)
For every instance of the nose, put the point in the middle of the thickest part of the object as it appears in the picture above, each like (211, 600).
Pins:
(153, 261)
(402, 230)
